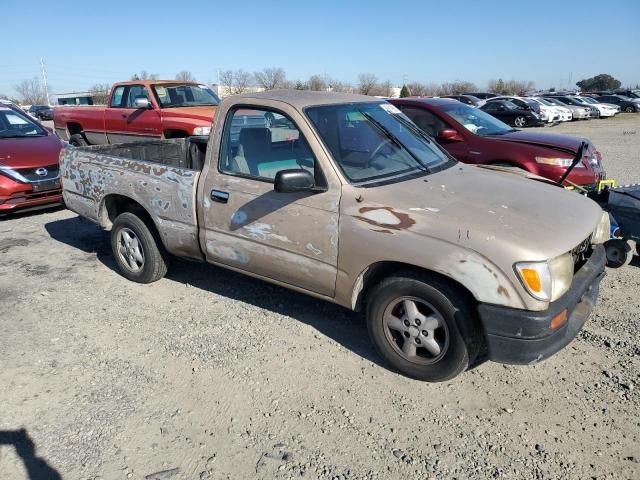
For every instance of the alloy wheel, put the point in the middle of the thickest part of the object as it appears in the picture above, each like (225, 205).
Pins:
(130, 250)
(416, 330)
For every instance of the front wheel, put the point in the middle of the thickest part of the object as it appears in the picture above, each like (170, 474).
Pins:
(629, 109)
(139, 252)
(520, 121)
(618, 252)
(422, 326)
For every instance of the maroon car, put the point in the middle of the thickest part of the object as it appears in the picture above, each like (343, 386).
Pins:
(29, 169)
(473, 136)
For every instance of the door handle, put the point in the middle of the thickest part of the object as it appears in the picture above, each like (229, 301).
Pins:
(219, 196)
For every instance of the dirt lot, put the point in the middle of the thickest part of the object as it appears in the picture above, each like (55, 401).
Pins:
(210, 375)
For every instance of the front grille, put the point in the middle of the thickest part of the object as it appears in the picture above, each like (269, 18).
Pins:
(581, 253)
(52, 171)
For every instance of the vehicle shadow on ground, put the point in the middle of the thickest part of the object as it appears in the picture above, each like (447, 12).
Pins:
(36, 467)
(345, 327)
(6, 217)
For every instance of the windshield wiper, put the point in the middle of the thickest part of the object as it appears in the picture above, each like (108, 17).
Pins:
(413, 128)
(385, 131)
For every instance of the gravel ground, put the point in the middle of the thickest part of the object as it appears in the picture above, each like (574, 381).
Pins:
(210, 375)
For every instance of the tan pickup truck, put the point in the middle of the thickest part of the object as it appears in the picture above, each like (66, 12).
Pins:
(342, 197)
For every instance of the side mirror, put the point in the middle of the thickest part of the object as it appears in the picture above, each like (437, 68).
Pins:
(294, 180)
(448, 134)
(142, 103)
(502, 108)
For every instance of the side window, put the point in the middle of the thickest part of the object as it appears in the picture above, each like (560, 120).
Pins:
(491, 106)
(425, 120)
(135, 92)
(116, 97)
(260, 143)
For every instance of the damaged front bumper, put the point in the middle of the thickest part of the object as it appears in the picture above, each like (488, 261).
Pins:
(522, 336)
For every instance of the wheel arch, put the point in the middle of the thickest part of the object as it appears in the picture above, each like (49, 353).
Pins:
(174, 133)
(114, 204)
(74, 128)
(474, 275)
(377, 272)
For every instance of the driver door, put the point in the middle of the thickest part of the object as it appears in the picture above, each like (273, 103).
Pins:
(286, 237)
(126, 123)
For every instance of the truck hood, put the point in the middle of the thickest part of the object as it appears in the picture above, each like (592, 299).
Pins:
(497, 214)
(30, 152)
(551, 140)
(197, 113)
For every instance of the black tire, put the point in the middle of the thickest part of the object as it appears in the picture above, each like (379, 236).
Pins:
(458, 332)
(520, 121)
(619, 253)
(154, 257)
(637, 248)
(78, 140)
(629, 109)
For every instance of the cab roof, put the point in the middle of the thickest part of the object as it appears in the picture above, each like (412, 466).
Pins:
(305, 98)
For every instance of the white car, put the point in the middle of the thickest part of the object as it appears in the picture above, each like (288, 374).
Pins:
(606, 109)
(547, 114)
(563, 114)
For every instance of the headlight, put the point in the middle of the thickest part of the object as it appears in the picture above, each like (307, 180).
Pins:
(548, 280)
(202, 130)
(603, 229)
(12, 174)
(558, 162)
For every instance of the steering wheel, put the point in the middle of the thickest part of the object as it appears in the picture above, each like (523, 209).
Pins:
(375, 153)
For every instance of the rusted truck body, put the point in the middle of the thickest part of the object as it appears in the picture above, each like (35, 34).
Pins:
(342, 197)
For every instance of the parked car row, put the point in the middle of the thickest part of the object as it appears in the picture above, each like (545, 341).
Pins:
(548, 109)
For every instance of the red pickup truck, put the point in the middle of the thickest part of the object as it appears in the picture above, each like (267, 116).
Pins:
(139, 111)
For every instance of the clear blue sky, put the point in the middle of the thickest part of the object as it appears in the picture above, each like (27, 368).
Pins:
(86, 42)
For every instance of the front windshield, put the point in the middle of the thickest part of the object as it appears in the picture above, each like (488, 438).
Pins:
(184, 95)
(375, 141)
(477, 121)
(15, 125)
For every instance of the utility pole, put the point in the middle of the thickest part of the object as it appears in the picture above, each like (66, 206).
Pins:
(44, 79)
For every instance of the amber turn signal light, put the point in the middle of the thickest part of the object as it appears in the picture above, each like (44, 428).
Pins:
(559, 320)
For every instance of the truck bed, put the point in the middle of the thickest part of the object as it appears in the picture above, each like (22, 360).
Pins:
(161, 176)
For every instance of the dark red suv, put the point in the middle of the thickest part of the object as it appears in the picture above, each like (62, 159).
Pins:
(473, 136)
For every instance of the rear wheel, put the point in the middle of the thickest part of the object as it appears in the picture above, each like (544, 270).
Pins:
(619, 253)
(423, 326)
(77, 140)
(139, 252)
(520, 121)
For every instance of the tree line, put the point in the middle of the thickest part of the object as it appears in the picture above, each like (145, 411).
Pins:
(233, 82)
